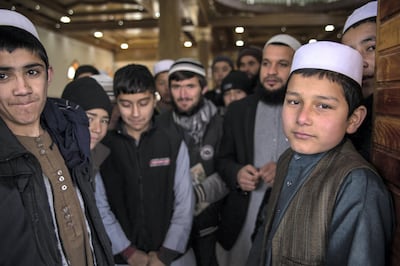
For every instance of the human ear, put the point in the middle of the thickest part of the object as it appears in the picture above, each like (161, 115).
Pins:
(356, 119)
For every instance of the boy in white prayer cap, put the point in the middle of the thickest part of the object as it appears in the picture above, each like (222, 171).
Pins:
(359, 33)
(328, 206)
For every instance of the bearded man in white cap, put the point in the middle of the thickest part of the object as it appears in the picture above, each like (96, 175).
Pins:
(359, 32)
(49, 214)
(328, 206)
(252, 142)
(160, 72)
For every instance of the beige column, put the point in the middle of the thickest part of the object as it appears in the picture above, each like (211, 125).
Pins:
(203, 37)
(169, 24)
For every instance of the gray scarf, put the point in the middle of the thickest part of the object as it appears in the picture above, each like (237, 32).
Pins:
(196, 124)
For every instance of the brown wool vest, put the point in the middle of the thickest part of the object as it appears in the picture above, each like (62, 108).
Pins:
(301, 238)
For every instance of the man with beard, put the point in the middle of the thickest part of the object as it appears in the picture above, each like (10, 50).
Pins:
(359, 32)
(196, 119)
(252, 142)
(249, 61)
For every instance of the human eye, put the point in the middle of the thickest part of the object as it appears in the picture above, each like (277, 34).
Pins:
(265, 63)
(284, 64)
(3, 76)
(144, 102)
(90, 118)
(105, 121)
(124, 104)
(371, 48)
(292, 101)
(324, 106)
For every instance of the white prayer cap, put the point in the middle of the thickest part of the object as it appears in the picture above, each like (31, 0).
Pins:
(368, 10)
(188, 64)
(285, 39)
(162, 66)
(331, 56)
(107, 83)
(15, 19)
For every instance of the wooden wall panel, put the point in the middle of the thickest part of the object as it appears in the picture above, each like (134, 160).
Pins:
(388, 61)
(386, 131)
(387, 100)
(388, 8)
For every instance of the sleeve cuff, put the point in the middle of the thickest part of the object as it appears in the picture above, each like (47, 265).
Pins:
(167, 255)
(128, 252)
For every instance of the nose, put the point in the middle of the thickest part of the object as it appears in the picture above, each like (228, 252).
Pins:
(22, 86)
(95, 126)
(182, 92)
(272, 69)
(304, 115)
(135, 110)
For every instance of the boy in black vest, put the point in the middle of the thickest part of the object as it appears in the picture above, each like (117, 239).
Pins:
(146, 176)
(328, 206)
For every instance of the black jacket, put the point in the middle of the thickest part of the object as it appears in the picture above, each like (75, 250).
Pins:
(139, 182)
(236, 151)
(204, 153)
(26, 226)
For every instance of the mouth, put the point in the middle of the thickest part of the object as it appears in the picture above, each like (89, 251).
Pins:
(302, 135)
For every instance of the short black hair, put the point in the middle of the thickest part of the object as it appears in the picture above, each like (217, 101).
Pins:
(352, 90)
(12, 38)
(133, 78)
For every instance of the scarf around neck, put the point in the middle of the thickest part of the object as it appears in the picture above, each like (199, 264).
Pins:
(196, 124)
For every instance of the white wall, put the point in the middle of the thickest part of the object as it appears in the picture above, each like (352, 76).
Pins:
(62, 51)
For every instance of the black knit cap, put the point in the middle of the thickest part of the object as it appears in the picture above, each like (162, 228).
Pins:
(222, 58)
(253, 51)
(236, 80)
(88, 93)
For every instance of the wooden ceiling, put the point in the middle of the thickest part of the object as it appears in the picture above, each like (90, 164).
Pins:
(136, 22)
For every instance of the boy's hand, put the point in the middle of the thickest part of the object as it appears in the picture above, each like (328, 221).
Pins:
(139, 258)
(248, 177)
(267, 172)
(154, 261)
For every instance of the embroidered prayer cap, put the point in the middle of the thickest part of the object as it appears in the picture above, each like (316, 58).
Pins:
(284, 39)
(328, 55)
(162, 66)
(15, 19)
(369, 10)
(236, 80)
(88, 93)
(188, 64)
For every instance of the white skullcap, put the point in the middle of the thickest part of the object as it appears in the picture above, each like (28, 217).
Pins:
(331, 56)
(15, 19)
(107, 83)
(368, 10)
(188, 64)
(162, 66)
(285, 39)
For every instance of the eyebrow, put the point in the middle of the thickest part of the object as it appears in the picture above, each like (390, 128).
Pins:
(28, 66)
(321, 97)
(369, 39)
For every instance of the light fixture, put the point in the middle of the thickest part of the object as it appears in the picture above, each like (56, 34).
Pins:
(239, 43)
(124, 46)
(329, 28)
(239, 29)
(72, 69)
(312, 40)
(65, 19)
(98, 34)
(187, 44)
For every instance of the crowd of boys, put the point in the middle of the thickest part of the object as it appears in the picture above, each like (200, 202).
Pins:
(269, 168)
